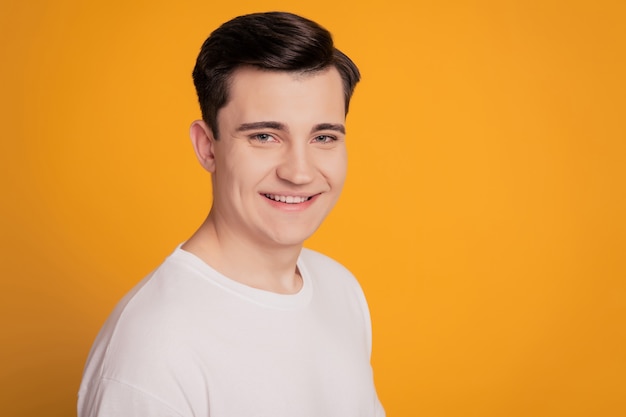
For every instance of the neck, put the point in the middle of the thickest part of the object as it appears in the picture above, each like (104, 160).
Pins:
(269, 268)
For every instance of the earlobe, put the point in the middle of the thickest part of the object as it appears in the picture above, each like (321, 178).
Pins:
(202, 140)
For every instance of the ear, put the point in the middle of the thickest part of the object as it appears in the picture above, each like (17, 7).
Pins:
(203, 144)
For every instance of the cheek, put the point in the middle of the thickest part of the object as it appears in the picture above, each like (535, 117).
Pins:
(245, 166)
(254, 168)
(335, 169)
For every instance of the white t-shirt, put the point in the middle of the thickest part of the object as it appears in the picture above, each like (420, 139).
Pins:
(188, 341)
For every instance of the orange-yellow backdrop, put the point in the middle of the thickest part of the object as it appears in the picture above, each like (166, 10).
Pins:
(483, 214)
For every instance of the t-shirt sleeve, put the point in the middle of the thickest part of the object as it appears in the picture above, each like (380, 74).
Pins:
(380, 411)
(114, 399)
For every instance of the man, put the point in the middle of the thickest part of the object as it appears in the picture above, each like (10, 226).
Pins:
(241, 320)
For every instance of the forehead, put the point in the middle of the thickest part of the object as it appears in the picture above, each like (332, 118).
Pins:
(256, 94)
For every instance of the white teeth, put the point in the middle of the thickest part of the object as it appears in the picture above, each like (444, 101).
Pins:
(289, 199)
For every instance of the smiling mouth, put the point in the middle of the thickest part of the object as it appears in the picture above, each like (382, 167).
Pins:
(289, 199)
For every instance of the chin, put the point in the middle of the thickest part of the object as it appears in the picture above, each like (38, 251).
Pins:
(285, 241)
(291, 237)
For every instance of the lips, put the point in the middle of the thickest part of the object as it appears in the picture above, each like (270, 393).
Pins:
(288, 199)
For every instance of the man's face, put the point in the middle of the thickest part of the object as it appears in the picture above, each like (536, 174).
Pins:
(280, 161)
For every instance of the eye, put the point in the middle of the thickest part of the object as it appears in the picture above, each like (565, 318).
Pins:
(262, 137)
(324, 139)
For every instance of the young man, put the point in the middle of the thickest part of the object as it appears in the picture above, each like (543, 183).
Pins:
(241, 320)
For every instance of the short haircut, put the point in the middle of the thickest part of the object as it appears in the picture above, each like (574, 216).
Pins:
(274, 41)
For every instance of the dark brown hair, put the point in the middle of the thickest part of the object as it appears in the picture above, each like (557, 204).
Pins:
(275, 41)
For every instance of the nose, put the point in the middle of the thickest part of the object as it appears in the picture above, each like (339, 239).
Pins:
(296, 165)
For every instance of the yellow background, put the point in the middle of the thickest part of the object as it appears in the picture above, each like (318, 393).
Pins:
(483, 214)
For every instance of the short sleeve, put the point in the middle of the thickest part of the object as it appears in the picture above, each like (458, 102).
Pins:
(113, 399)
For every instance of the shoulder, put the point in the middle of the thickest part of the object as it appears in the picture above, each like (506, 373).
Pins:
(148, 335)
(155, 313)
(337, 290)
(327, 272)
(318, 261)
(163, 302)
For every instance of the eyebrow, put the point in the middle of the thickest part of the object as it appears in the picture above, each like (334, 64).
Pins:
(281, 126)
(261, 125)
(329, 126)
